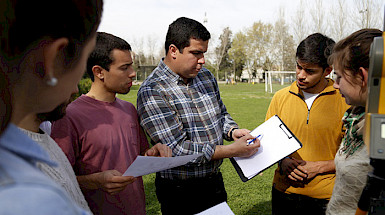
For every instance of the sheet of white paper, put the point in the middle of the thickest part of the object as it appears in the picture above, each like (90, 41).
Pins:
(275, 145)
(220, 209)
(144, 165)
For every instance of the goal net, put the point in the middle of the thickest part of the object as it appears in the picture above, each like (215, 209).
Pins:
(280, 78)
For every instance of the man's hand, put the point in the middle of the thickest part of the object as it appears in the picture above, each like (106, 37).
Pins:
(313, 168)
(299, 170)
(290, 168)
(159, 150)
(112, 181)
(238, 133)
(241, 148)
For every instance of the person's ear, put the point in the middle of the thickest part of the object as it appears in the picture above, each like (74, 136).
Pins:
(327, 71)
(98, 72)
(52, 51)
(365, 75)
(173, 50)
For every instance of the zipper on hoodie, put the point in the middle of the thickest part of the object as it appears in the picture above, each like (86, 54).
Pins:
(308, 110)
(303, 99)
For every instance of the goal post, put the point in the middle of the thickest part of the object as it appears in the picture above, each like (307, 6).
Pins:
(278, 77)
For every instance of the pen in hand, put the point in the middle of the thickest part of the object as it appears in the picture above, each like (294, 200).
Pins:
(252, 141)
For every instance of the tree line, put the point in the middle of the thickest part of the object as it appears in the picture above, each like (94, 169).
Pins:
(271, 46)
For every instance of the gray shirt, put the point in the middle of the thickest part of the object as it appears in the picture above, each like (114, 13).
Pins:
(63, 173)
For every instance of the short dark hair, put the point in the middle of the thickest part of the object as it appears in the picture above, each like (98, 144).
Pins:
(182, 30)
(102, 54)
(24, 23)
(315, 49)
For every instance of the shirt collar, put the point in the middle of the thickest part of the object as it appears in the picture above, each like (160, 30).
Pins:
(329, 88)
(171, 75)
(15, 141)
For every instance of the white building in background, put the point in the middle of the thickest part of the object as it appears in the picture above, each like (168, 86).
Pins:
(247, 76)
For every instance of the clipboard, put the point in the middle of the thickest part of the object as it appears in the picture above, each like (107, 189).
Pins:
(277, 142)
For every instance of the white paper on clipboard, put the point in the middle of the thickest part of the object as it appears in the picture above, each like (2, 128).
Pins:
(277, 142)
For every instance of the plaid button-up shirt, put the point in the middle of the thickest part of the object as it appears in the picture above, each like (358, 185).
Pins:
(190, 118)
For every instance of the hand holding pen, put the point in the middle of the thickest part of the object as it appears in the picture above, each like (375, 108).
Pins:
(238, 133)
(241, 148)
(252, 141)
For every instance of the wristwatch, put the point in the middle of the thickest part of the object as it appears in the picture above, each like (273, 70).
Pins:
(231, 132)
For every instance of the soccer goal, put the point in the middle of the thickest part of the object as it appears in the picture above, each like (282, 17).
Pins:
(278, 77)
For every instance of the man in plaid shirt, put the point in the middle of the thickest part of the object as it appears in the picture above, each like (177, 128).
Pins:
(179, 105)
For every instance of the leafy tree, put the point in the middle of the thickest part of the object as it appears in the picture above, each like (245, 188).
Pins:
(221, 51)
(284, 48)
(258, 46)
(289, 54)
(268, 65)
(226, 66)
(237, 53)
(84, 86)
(252, 48)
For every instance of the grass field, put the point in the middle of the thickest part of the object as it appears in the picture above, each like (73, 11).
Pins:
(247, 104)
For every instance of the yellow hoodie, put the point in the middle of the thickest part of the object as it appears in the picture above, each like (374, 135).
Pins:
(319, 129)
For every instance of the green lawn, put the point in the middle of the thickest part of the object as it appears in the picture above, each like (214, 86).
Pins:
(247, 104)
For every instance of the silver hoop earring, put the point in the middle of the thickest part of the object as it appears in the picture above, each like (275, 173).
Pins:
(51, 82)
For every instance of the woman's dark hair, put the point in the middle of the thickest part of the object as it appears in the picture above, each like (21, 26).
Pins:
(24, 23)
(352, 52)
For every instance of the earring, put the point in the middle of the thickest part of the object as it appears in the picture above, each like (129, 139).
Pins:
(51, 82)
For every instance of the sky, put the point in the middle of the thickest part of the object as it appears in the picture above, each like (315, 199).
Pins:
(135, 20)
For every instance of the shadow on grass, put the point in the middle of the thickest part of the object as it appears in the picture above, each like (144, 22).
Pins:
(152, 204)
(262, 208)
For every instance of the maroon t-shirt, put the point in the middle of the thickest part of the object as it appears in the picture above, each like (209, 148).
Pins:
(97, 136)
